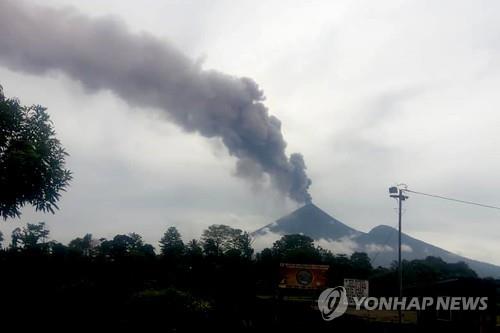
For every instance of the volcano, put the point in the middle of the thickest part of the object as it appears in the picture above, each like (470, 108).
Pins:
(311, 221)
(380, 243)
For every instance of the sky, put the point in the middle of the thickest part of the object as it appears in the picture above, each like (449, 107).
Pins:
(372, 94)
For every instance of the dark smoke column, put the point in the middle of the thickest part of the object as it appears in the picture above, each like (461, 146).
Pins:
(144, 71)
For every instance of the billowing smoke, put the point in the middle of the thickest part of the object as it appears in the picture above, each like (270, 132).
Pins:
(144, 71)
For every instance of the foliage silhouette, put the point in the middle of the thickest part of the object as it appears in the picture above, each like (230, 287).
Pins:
(221, 239)
(212, 284)
(32, 160)
(171, 243)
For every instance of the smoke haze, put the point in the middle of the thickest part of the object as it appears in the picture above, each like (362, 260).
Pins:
(144, 71)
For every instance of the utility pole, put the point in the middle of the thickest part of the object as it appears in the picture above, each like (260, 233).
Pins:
(397, 193)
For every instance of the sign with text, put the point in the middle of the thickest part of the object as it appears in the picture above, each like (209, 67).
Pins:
(300, 276)
(355, 288)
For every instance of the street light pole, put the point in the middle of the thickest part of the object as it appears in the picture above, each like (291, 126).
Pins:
(397, 193)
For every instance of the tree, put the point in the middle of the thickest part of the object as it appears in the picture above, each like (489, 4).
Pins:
(125, 246)
(221, 239)
(57, 249)
(32, 160)
(32, 236)
(361, 264)
(83, 246)
(194, 249)
(171, 243)
(242, 245)
(431, 269)
(296, 248)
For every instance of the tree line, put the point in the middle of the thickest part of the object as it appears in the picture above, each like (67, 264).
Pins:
(216, 280)
(216, 243)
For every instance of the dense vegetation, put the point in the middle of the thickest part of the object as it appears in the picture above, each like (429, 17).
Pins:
(216, 281)
(32, 160)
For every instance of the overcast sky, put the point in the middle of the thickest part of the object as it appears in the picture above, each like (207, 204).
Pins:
(371, 93)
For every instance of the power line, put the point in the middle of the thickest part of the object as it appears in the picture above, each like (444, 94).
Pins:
(452, 199)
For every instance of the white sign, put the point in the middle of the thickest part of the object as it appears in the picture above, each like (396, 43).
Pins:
(355, 288)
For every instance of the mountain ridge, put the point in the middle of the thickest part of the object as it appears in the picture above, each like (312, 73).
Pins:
(380, 243)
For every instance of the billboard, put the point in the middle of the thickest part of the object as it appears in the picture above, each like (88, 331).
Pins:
(301, 276)
(355, 288)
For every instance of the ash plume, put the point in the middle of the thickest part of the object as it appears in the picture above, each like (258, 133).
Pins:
(145, 71)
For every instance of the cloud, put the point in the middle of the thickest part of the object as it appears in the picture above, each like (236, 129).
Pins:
(264, 239)
(344, 245)
(329, 81)
(372, 247)
(406, 248)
